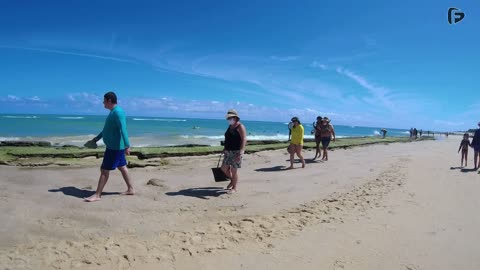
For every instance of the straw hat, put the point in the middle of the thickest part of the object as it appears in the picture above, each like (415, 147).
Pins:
(232, 113)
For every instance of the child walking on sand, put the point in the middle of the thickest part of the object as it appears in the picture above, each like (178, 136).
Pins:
(464, 147)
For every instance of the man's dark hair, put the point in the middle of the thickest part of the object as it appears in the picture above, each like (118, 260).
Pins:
(111, 96)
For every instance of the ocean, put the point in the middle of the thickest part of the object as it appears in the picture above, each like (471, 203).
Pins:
(154, 131)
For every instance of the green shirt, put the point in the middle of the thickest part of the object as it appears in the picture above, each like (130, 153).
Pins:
(114, 133)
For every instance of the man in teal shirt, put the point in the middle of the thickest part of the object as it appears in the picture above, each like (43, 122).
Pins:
(115, 137)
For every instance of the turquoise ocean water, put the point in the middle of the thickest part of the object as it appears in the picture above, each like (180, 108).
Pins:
(154, 131)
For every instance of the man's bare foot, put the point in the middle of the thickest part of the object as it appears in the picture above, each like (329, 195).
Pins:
(229, 187)
(93, 198)
(128, 192)
(303, 165)
(231, 191)
(290, 168)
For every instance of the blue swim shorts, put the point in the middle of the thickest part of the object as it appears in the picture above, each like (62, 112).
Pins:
(326, 141)
(113, 159)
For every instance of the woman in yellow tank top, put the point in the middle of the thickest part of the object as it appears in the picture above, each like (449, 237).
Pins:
(296, 143)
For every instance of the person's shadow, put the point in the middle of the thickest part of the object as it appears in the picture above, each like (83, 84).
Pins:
(201, 193)
(467, 170)
(271, 169)
(79, 193)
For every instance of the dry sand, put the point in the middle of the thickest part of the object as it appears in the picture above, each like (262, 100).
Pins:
(397, 206)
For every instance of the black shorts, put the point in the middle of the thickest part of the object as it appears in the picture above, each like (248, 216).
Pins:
(325, 141)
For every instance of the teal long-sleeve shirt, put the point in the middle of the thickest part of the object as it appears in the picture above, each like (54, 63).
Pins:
(114, 133)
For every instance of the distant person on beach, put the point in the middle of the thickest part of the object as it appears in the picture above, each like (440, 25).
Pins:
(326, 134)
(420, 132)
(411, 133)
(464, 144)
(415, 133)
(115, 137)
(234, 148)
(476, 148)
(384, 133)
(318, 138)
(296, 143)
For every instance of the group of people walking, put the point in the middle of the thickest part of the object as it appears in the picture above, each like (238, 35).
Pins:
(235, 142)
(117, 144)
(115, 137)
(323, 131)
(414, 133)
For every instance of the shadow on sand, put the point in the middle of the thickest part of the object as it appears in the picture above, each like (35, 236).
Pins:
(201, 193)
(468, 170)
(272, 169)
(79, 193)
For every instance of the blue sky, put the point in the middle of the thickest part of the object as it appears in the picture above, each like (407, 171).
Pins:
(371, 63)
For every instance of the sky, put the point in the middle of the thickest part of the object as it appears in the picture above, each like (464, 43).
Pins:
(396, 64)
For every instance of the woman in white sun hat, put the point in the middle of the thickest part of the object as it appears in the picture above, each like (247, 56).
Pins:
(234, 148)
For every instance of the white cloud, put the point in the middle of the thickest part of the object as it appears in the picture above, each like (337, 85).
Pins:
(13, 98)
(316, 64)
(34, 98)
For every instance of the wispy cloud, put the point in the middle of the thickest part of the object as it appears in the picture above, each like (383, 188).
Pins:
(283, 58)
(91, 98)
(370, 42)
(13, 98)
(378, 93)
(316, 64)
(45, 50)
(34, 98)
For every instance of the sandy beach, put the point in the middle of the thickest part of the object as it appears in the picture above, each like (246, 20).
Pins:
(394, 206)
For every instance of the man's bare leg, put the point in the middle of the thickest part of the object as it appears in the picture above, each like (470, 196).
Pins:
(104, 174)
(127, 179)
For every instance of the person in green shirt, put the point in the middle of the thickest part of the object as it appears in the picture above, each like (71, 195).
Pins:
(115, 137)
